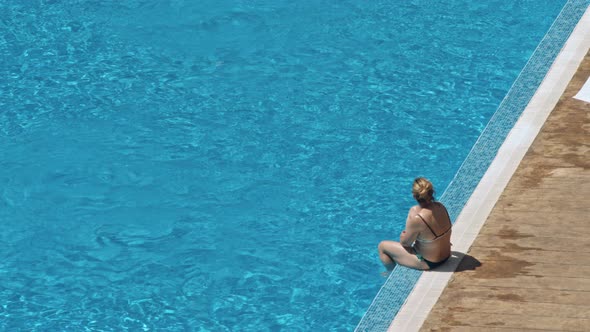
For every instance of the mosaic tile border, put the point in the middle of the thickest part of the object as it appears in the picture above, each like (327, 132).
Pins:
(401, 282)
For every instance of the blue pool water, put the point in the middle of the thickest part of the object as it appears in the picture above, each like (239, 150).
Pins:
(230, 166)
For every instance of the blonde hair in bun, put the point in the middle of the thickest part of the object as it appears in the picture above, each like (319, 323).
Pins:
(423, 190)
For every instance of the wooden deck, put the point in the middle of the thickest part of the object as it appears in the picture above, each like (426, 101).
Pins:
(534, 248)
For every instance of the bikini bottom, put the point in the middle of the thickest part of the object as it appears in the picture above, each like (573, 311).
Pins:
(432, 265)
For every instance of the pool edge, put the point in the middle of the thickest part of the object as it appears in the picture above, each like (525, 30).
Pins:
(430, 285)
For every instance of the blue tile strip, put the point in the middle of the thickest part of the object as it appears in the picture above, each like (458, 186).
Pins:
(402, 280)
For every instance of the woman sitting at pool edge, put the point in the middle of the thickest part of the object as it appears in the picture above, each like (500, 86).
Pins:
(426, 241)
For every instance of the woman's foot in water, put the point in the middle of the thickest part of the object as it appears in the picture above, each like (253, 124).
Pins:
(389, 269)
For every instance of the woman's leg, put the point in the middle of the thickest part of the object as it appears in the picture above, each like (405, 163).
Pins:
(391, 252)
(387, 260)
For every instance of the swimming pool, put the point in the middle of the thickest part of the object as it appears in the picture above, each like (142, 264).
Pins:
(231, 166)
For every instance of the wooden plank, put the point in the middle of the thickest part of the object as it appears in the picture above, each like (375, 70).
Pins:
(516, 230)
(496, 306)
(457, 291)
(483, 253)
(477, 320)
(446, 328)
(507, 277)
(541, 205)
(537, 243)
(532, 269)
(553, 188)
(575, 214)
(508, 216)
(541, 201)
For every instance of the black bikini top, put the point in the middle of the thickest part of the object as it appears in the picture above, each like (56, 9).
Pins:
(430, 228)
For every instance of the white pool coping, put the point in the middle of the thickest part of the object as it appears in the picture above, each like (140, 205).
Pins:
(431, 284)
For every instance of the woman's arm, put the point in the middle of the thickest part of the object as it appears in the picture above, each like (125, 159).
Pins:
(413, 228)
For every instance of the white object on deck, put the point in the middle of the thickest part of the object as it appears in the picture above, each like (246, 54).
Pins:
(584, 93)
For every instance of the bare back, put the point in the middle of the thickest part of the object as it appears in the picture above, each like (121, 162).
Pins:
(434, 239)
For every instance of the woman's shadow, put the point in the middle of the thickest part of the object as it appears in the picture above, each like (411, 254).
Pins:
(459, 262)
